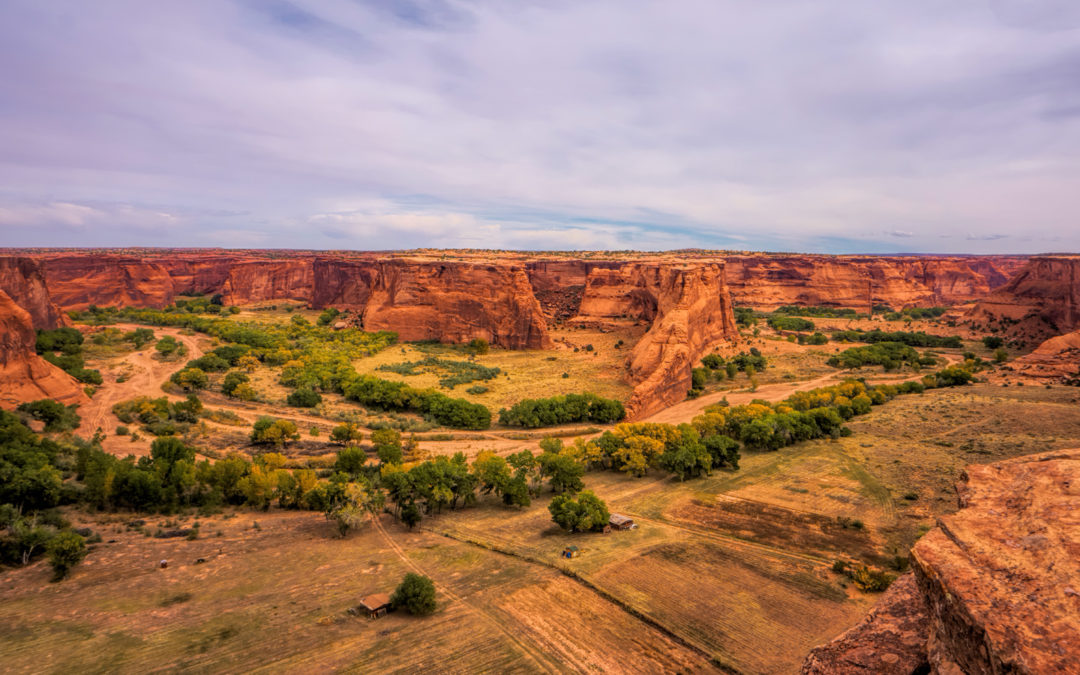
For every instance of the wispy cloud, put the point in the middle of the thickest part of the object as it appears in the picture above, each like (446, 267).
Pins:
(614, 123)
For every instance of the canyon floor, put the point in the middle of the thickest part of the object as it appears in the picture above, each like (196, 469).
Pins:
(731, 572)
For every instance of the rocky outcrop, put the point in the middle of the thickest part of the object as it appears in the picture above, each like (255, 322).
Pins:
(999, 581)
(198, 275)
(77, 281)
(768, 281)
(1001, 577)
(25, 376)
(891, 640)
(691, 310)
(456, 302)
(1056, 360)
(22, 279)
(253, 281)
(1042, 300)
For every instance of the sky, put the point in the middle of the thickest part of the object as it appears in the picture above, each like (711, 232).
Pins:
(834, 126)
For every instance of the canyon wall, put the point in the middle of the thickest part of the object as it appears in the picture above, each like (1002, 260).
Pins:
(343, 284)
(859, 282)
(251, 281)
(998, 582)
(456, 302)
(198, 275)
(25, 376)
(24, 281)
(1041, 300)
(77, 281)
(691, 310)
(1056, 360)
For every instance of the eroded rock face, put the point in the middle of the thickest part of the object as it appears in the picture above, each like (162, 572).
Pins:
(77, 281)
(343, 284)
(23, 280)
(456, 302)
(891, 640)
(860, 282)
(25, 376)
(1001, 577)
(1042, 300)
(691, 310)
(198, 275)
(252, 281)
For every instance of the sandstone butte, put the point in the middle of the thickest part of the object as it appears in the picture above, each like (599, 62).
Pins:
(509, 298)
(994, 587)
(1041, 300)
(25, 376)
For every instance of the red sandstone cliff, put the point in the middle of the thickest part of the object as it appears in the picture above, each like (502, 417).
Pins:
(691, 310)
(198, 275)
(343, 284)
(859, 282)
(1043, 299)
(1056, 360)
(456, 302)
(25, 376)
(257, 280)
(24, 282)
(77, 281)
(995, 587)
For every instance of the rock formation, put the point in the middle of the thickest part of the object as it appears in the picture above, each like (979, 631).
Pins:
(1000, 580)
(1056, 360)
(766, 281)
(343, 284)
(891, 640)
(198, 275)
(456, 302)
(22, 279)
(77, 281)
(691, 310)
(1042, 300)
(25, 376)
(252, 281)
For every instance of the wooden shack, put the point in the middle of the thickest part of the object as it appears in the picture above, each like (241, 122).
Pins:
(376, 605)
(571, 552)
(618, 521)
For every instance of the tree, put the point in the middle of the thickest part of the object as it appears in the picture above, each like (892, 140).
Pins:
(66, 550)
(359, 500)
(387, 445)
(586, 512)
(563, 471)
(993, 341)
(351, 461)
(477, 346)
(268, 430)
(492, 472)
(167, 346)
(1001, 356)
(416, 594)
(190, 379)
(232, 381)
(346, 434)
(55, 415)
(247, 362)
(304, 398)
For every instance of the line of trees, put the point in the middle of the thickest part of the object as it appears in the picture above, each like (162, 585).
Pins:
(912, 339)
(563, 409)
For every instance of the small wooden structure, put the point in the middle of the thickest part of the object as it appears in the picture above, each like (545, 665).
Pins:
(376, 605)
(571, 552)
(618, 521)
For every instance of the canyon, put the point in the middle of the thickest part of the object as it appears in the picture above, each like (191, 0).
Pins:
(1041, 300)
(25, 376)
(510, 299)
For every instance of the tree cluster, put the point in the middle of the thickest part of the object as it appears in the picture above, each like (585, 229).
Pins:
(563, 409)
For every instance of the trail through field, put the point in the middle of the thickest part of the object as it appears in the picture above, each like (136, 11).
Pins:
(690, 408)
(145, 375)
(539, 658)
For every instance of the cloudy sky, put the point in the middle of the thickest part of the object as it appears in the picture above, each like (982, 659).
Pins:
(816, 125)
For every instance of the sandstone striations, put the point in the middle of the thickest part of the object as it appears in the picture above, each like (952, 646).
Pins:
(1042, 300)
(999, 582)
(770, 281)
(457, 302)
(77, 281)
(251, 281)
(691, 310)
(25, 376)
(343, 284)
(1001, 577)
(22, 279)
(198, 275)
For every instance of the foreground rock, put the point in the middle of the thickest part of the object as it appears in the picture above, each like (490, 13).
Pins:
(25, 376)
(999, 581)
(891, 640)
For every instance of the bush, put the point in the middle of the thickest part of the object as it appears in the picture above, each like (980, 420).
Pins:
(563, 409)
(65, 550)
(993, 342)
(415, 594)
(268, 430)
(790, 323)
(891, 355)
(586, 512)
(232, 381)
(303, 398)
(190, 379)
(56, 416)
